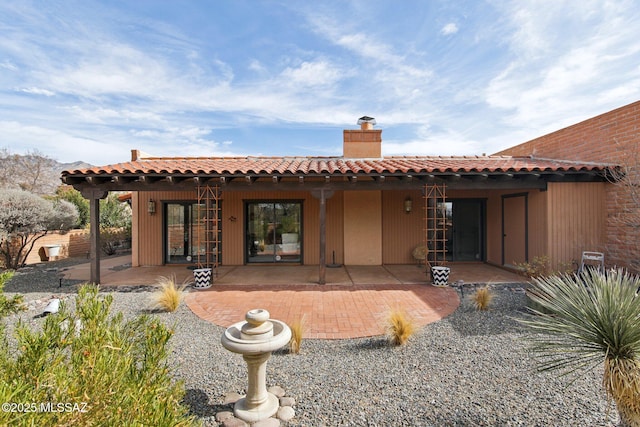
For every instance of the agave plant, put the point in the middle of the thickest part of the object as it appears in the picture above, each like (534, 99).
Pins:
(590, 319)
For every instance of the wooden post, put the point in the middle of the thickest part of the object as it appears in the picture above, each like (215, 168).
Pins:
(322, 195)
(323, 239)
(94, 197)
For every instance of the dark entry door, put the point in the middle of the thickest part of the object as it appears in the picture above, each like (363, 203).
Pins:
(273, 232)
(465, 229)
(468, 230)
(514, 229)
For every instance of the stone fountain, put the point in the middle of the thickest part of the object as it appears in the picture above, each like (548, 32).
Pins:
(255, 338)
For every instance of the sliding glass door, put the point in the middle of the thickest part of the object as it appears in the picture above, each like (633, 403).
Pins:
(273, 232)
(182, 228)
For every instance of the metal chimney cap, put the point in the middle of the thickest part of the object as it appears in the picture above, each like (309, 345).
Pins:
(366, 119)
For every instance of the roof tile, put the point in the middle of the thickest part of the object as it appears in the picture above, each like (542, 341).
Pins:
(336, 165)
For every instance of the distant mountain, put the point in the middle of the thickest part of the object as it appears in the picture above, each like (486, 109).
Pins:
(72, 166)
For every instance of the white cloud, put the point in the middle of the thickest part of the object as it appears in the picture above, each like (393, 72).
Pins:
(565, 57)
(125, 81)
(450, 28)
(428, 142)
(37, 91)
(319, 73)
(8, 65)
(59, 144)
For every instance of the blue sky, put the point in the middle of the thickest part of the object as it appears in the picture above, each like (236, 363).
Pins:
(86, 80)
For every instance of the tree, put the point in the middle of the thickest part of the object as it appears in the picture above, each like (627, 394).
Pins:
(115, 223)
(589, 319)
(71, 195)
(33, 172)
(624, 218)
(25, 218)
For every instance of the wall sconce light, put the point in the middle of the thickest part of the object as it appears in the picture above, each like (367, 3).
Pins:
(408, 205)
(151, 206)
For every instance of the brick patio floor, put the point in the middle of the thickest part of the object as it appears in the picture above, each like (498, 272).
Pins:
(352, 304)
(330, 311)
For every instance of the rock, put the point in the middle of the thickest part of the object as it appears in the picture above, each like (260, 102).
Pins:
(223, 416)
(285, 413)
(234, 422)
(269, 422)
(287, 401)
(277, 390)
(231, 398)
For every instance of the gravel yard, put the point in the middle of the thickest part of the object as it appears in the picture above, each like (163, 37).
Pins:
(469, 369)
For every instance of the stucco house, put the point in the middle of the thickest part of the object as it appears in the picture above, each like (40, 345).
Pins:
(356, 209)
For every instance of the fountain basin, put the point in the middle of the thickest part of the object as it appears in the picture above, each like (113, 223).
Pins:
(255, 338)
(233, 340)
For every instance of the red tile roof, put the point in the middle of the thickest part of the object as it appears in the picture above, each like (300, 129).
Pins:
(227, 166)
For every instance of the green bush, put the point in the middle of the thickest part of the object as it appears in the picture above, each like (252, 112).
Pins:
(12, 305)
(107, 371)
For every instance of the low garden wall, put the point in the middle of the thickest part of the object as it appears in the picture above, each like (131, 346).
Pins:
(73, 243)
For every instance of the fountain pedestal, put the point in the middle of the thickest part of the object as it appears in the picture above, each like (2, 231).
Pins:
(255, 339)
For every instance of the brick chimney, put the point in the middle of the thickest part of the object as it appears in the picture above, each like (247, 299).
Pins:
(363, 143)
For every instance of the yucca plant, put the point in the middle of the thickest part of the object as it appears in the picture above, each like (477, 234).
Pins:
(399, 326)
(588, 319)
(482, 298)
(298, 327)
(169, 295)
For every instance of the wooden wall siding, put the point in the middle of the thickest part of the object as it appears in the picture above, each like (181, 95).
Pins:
(362, 228)
(577, 218)
(135, 229)
(150, 226)
(334, 230)
(551, 232)
(537, 215)
(401, 232)
(538, 224)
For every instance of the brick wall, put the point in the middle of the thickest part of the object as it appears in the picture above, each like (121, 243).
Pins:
(614, 138)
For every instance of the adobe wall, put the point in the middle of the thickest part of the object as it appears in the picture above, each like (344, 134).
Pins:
(74, 243)
(612, 137)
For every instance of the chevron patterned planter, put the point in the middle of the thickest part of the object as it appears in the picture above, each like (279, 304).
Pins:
(440, 276)
(202, 277)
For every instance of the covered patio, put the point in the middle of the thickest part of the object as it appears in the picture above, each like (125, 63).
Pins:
(352, 304)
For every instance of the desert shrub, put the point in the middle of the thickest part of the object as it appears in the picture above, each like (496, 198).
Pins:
(169, 295)
(541, 266)
(111, 239)
(399, 326)
(298, 327)
(482, 298)
(111, 372)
